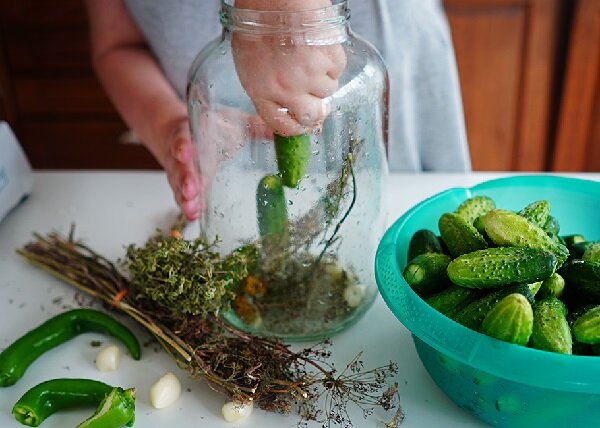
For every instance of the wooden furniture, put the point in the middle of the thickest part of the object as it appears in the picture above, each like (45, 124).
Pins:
(505, 52)
(578, 137)
(508, 53)
(50, 95)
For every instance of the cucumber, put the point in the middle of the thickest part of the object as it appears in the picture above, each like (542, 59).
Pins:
(473, 314)
(535, 287)
(506, 228)
(427, 273)
(552, 286)
(478, 224)
(423, 241)
(583, 279)
(573, 239)
(460, 236)
(474, 207)
(271, 209)
(537, 213)
(578, 249)
(592, 253)
(452, 299)
(293, 155)
(586, 328)
(510, 320)
(494, 267)
(552, 227)
(551, 330)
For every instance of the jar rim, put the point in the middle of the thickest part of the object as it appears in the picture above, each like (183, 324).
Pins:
(273, 21)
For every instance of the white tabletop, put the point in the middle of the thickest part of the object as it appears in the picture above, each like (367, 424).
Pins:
(112, 209)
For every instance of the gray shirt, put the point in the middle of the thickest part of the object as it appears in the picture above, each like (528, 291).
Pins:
(427, 131)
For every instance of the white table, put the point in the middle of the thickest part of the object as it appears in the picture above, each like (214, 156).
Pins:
(112, 209)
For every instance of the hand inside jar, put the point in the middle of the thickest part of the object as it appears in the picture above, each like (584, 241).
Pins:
(286, 78)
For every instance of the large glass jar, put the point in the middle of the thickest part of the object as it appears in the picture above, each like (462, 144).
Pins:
(306, 207)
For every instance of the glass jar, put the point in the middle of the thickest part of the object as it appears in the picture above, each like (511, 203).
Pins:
(307, 207)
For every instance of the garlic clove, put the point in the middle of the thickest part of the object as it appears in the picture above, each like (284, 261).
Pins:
(235, 411)
(354, 294)
(108, 359)
(165, 391)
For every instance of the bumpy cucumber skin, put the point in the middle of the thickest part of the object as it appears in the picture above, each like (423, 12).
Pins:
(592, 253)
(586, 328)
(473, 314)
(427, 273)
(460, 236)
(293, 156)
(537, 213)
(271, 208)
(506, 228)
(451, 300)
(475, 207)
(423, 241)
(494, 267)
(582, 278)
(552, 227)
(551, 330)
(510, 320)
(552, 286)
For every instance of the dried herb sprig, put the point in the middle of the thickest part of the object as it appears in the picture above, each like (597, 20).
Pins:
(243, 366)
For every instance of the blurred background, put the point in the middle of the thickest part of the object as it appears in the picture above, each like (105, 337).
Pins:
(529, 70)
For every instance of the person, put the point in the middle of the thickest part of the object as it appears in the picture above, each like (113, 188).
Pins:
(142, 51)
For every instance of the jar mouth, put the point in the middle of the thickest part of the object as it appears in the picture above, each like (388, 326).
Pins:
(270, 22)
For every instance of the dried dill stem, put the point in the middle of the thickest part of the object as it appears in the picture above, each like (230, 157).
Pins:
(239, 364)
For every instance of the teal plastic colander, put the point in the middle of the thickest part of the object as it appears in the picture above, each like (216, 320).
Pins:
(501, 383)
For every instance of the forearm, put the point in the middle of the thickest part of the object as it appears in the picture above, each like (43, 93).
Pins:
(141, 94)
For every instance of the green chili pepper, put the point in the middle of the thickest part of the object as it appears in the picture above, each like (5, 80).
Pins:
(15, 359)
(116, 410)
(114, 404)
(293, 156)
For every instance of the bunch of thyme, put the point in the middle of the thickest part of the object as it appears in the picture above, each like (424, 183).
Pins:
(244, 366)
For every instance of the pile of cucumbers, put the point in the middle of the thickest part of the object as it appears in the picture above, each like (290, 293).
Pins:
(510, 275)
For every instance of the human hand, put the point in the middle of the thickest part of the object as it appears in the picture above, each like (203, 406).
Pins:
(287, 82)
(189, 168)
(178, 159)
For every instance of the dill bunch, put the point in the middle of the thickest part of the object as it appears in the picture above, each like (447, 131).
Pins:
(186, 277)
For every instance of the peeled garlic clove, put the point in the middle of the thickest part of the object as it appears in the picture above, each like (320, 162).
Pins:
(236, 411)
(354, 294)
(165, 391)
(108, 359)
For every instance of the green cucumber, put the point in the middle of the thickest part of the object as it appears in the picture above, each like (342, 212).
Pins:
(452, 299)
(423, 241)
(460, 236)
(586, 328)
(552, 286)
(494, 267)
(551, 330)
(510, 320)
(583, 279)
(427, 273)
(271, 209)
(573, 239)
(506, 228)
(293, 155)
(535, 287)
(537, 213)
(473, 314)
(475, 207)
(592, 253)
(552, 227)
(578, 249)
